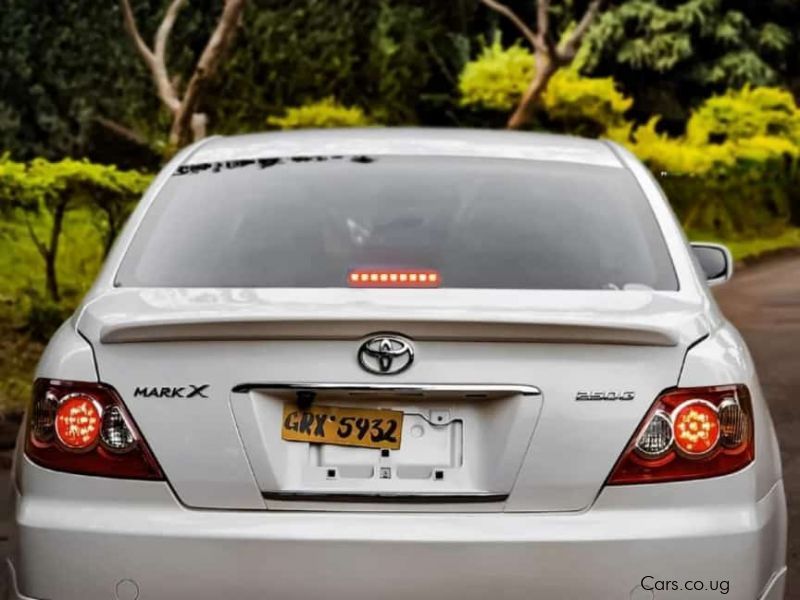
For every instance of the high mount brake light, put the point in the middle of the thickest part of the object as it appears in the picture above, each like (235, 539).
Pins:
(394, 278)
(82, 427)
(690, 433)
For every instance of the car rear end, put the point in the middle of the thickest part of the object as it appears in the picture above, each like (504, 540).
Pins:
(392, 364)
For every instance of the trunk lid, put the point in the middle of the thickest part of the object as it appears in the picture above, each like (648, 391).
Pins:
(491, 419)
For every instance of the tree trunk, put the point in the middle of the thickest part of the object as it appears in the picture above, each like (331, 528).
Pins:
(187, 123)
(186, 129)
(522, 115)
(51, 254)
(51, 278)
(178, 133)
(199, 126)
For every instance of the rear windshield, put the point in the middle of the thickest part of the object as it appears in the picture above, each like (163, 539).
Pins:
(480, 223)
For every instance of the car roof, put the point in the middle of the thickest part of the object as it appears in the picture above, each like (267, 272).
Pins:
(475, 143)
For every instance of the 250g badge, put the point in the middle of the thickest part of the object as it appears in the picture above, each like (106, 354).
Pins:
(601, 396)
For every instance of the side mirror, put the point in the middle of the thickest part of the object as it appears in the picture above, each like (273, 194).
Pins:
(715, 260)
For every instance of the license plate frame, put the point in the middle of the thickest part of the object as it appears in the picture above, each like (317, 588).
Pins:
(377, 428)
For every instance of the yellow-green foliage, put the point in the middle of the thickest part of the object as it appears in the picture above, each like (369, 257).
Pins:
(572, 99)
(746, 114)
(674, 155)
(59, 177)
(499, 76)
(12, 177)
(43, 195)
(323, 113)
(77, 203)
(747, 129)
(24, 185)
(736, 168)
(735, 171)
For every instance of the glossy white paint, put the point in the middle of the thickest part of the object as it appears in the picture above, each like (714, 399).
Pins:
(68, 356)
(195, 437)
(558, 531)
(638, 317)
(692, 531)
(723, 356)
(379, 141)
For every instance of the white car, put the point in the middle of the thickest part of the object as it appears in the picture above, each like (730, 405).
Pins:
(400, 364)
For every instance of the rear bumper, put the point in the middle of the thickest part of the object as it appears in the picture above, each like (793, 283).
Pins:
(128, 589)
(73, 549)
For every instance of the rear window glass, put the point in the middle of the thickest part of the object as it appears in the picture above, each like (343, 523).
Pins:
(481, 223)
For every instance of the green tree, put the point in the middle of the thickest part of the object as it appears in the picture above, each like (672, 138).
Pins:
(551, 54)
(388, 56)
(736, 169)
(498, 78)
(49, 189)
(64, 76)
(670, 55)
(72, 84)
(188, 122)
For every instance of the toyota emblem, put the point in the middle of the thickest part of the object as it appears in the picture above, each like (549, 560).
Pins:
(385, 355)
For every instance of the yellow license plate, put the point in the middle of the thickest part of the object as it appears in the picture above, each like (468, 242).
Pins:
(343, 426)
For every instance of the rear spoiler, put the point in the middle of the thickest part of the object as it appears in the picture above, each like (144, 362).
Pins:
(644, 318)
(174, 328)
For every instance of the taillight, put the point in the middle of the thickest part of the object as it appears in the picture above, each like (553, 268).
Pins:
(83, 427)
(78, 419)
(690, 433)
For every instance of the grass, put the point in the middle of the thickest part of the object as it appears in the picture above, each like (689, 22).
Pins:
(22, 289)
(22, 269)
(749, 248)
(18, 357)
(757, 247)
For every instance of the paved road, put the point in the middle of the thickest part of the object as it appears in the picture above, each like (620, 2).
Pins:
(764, 303)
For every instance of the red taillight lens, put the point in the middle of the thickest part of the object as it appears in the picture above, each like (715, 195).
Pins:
(78, 422)
(695, 425)
(83, 427)
(394, 278)
(690, 433)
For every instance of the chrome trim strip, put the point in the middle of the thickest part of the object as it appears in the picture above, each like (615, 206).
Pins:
(524, 390)
(383, 498)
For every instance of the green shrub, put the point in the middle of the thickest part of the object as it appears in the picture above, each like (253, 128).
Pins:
(587, 105)
(735, 171)
(12, 178)
(751, 113)
(498, 77)
(321, 114)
